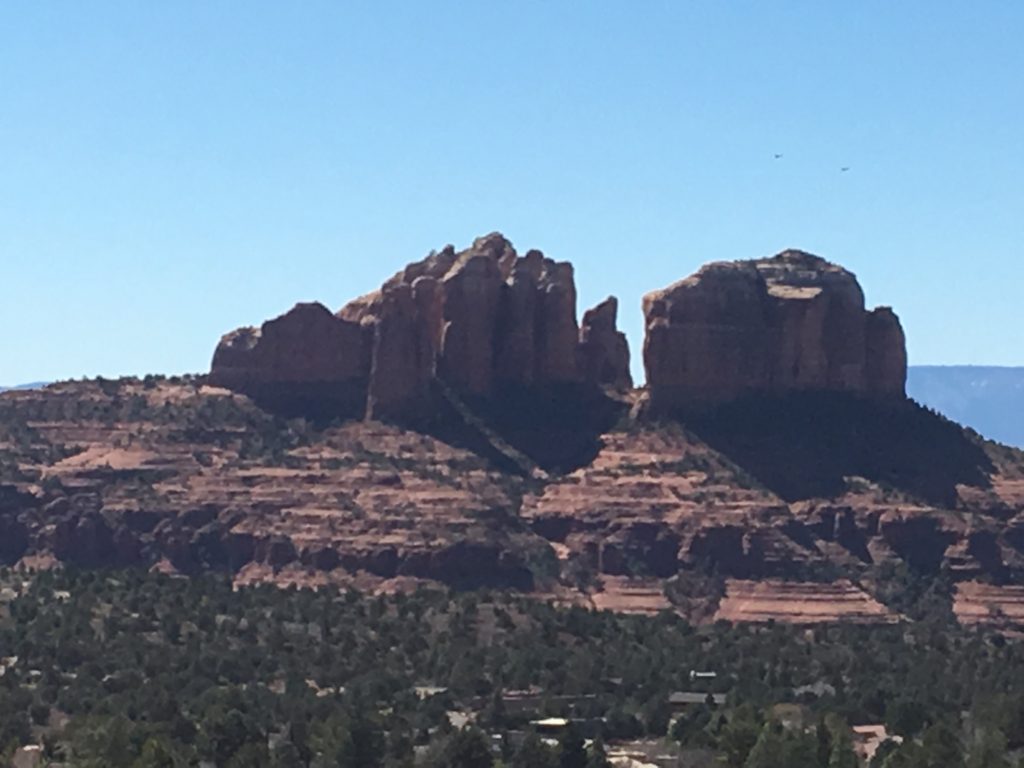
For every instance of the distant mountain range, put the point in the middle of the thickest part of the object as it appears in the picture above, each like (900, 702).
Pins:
(32, 385)
(988, 399)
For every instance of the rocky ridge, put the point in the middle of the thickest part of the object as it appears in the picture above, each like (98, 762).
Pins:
(181, 476)
(478, 320)
(458, 426)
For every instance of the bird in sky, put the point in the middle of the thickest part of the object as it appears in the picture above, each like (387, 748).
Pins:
(844, 169)
(778, 155)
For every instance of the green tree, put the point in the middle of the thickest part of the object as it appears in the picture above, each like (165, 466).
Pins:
(223, 733)
(286, 755)
(597, 755)
(941, 747)
(767, 751)
(354, 741)
(533, 753)
(908, 755)
(823, 743)
(399, 750)
(739, 736)
(799, 750)
(156, 753)
(689, 727)
(988, 750)
(656, 715)
(571, 750)
(108, 743)
(620, 724)
(364, 747)
(906, 717)
(250, 756)
(885, 749)
(842, 754)
(467, 748)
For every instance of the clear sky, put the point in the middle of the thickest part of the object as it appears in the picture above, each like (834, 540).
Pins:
(172, 170)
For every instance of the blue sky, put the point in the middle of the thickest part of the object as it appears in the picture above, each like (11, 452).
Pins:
(169, 171)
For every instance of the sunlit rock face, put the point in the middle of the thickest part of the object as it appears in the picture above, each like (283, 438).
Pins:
(480, 320)
(793, 322)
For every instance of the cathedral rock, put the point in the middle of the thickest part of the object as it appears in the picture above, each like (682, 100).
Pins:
(793, 322)
(489, 325)
(478, 321)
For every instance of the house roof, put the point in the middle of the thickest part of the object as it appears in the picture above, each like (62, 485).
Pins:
(551, 722)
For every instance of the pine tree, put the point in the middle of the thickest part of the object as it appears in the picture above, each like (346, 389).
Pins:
(532, 753)
(467, 748)
(988, 750)
(571, 752)
(942, 747)
(767, 750)
(598, 755)
(824, 743)
(799, 750)
(842, 754)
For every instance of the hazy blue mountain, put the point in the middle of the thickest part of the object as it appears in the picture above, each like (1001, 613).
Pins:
(32, 385)
(986, 398)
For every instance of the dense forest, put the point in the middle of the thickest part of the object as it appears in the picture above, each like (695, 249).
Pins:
(132, 669)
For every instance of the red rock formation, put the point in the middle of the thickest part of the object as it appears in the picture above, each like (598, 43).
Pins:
(471, 293)
(558, 333)
(516, 352)
(306, 344)
(886, 364)
(658, 509)
(800, 603)
(604, 351)
(403, 354)
(474, 319)
(306, 354)
(791, 322)
(508, 318)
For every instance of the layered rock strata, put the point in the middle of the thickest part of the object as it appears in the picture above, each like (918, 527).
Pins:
(185, 477)
(800, 603)
(794, 322)
(478, 320)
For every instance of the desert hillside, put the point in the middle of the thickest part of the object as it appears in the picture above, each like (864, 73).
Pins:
(460, 427)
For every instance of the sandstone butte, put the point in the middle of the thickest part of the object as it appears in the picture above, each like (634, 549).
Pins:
(468, 430)
(789, 323)
(476, 320)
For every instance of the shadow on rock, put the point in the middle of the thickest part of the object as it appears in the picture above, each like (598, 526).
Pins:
(321, 403)
(13, 533)
(804, 445)
(557, 426)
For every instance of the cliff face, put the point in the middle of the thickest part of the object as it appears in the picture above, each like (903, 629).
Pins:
(793, 322)
(604, 351)
(486, 319)
(478, 320)
(305, 355)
